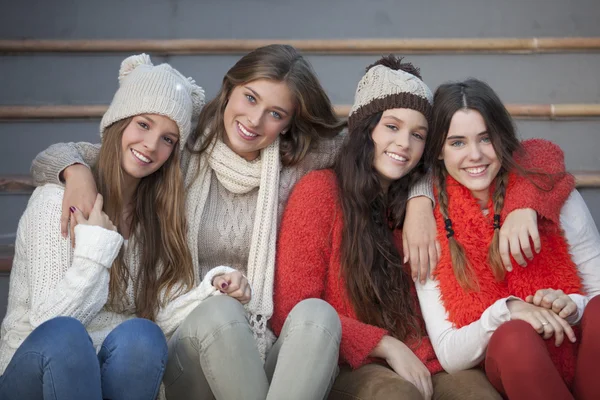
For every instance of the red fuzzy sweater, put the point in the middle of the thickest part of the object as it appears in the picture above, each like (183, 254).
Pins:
(308, 266)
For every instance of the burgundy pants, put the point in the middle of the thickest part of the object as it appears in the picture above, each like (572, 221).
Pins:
(519, 365)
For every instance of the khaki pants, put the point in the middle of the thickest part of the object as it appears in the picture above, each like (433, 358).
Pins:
(378, 382)
(213, 354)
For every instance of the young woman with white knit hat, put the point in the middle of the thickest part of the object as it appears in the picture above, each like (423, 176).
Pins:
(128, 278)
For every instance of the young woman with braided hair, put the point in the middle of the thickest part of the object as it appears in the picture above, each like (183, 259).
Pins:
(534, 329)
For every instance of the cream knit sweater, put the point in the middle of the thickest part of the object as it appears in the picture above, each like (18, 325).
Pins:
(49, 278)
(226, 223)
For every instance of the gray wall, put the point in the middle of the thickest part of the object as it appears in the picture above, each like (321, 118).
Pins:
(36, 79)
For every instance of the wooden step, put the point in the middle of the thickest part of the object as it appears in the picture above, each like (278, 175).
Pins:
(316, 46)
(529, 111)
(23, 184)
(6, 257)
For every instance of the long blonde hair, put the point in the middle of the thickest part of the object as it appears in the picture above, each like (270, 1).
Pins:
(158, 224)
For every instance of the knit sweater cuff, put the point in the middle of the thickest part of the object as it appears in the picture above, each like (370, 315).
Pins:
(424, 187)
(97, 244)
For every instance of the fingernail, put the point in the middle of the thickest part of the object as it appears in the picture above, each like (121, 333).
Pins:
(405, 260)
(414, 279)
(221, 291)
(224, 285)
(72, 209)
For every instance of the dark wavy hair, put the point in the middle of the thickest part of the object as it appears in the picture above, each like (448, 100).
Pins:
(377, 283)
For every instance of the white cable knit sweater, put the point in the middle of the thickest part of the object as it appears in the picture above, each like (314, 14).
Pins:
(50, 279)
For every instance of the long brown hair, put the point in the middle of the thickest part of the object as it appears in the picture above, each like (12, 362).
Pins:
(313, 118)
(474, 94)
(378, 285)
(158, 224)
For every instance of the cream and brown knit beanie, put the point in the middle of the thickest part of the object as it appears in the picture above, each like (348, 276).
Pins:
(388, 84)
(148, 89)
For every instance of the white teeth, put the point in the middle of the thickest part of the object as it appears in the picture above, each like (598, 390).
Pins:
(396, 156)
(245, 132)
(141, 157)
(477, 170)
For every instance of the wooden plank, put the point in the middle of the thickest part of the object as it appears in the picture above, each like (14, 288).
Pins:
(6, 257)
(16, 184)
(587, 179)
(52, 112)
(328, 46)
(22, 184)
(536, 111)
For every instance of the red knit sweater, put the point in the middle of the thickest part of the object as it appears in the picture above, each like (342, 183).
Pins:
(308, 266)
(308, 256)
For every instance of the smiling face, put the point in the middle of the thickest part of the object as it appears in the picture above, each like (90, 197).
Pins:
(147, 142)
(468, 153)
(256, 113)
(399, 139)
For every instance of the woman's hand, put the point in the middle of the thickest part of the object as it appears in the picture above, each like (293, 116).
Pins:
(80, 192)
(234, 284)
(555, 300)
(545, 322)
(405, 363)
(419, 242)
(517, 229)
(97, 216)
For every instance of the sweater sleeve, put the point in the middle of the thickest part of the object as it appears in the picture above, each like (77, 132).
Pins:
(462, 348)
(50, 163)
(303, 257)
(170, 317)
(584, 246)
(537, 192)
(63, 282)
(424, 187)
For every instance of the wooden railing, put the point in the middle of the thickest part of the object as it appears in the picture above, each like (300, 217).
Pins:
(538, 111)
(328, 46)
(6, 257)
(22, 184)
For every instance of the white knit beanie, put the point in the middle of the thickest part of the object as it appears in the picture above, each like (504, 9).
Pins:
(388, 84)
(148, 89)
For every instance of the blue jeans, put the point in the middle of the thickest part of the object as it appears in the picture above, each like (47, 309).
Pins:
(58, 361)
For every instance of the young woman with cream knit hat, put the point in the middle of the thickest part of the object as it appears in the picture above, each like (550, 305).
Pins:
(340, 241)
(128, 277)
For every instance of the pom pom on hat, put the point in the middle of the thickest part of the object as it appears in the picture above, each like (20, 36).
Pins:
(395, 63)
(132, 62)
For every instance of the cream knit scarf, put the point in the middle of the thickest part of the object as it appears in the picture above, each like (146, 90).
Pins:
(240, 176)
